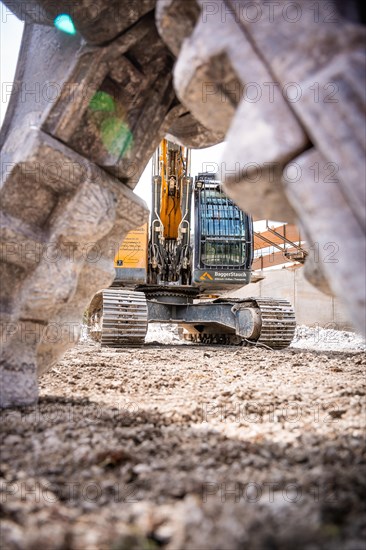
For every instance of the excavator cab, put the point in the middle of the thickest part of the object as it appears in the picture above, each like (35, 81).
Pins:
(223, 238)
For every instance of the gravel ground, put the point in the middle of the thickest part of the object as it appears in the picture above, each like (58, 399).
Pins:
(188, 448)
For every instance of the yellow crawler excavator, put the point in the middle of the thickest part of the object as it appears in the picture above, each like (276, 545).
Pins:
(169, 273)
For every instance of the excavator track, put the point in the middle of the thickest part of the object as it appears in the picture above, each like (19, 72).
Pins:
(124, 319)
(278, 322)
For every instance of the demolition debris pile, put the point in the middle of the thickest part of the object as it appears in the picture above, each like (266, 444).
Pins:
(318, 338)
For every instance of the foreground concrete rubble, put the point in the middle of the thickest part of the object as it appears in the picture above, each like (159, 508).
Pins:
(202, 448)
(101, 100)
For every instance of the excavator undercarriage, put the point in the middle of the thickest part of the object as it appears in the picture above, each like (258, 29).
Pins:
(120, 317)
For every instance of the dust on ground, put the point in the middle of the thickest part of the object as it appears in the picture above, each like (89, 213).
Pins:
(187, 448)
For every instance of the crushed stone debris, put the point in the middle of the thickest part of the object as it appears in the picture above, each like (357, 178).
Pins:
(320, 338)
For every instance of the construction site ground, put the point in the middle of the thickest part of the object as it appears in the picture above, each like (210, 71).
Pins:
(188, 447)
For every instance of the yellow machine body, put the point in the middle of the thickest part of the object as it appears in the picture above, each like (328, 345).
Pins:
(131, 260)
